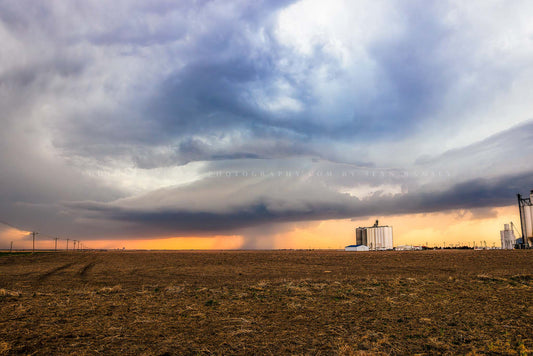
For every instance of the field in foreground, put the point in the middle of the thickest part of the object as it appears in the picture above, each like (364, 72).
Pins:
(271, 302)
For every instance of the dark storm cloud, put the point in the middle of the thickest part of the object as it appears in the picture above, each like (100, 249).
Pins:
(514, 144)
(218, 64)
(213, 95)
(414, 74)
(222, 78)
(100, 101)
(219, 91)
(192, 210)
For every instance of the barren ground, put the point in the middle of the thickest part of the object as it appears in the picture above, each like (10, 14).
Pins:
(271, 302)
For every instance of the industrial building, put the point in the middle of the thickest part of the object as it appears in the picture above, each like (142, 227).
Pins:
(356, 248)
(407, 248)
(526, 219)
(375, 237)
(507, 237)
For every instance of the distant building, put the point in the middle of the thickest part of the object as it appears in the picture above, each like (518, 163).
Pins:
(356, 248)
(408, 248)
(525, 206)
(507, 237)
(375, 237)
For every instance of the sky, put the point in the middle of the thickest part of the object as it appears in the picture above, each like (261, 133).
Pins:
(263, 124)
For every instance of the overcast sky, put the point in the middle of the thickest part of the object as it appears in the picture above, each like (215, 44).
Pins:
(147, 119)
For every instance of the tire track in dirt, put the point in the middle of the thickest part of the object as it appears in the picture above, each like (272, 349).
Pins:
(48, 274)
(85, 269)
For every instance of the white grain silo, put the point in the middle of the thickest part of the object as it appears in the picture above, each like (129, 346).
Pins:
(375, 237)
(371, 238)
(526, 219)
(388, 240)
(507, 237)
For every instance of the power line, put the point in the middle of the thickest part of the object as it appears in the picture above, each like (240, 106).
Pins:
(33, 239)
(50, 237)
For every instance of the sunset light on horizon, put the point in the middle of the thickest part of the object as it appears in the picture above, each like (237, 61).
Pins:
(442, 229)
(263, 125)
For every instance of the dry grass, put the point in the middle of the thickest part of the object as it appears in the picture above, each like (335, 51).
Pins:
(8, 293)
(107, 290)
(303, 302)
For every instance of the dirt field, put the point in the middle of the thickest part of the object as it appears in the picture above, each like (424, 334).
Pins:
(297, 302)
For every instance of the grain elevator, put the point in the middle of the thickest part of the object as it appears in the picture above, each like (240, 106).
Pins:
(526, 219)
(375, 237)
(507, 237)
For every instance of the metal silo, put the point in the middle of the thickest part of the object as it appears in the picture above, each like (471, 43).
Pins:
(529, 209)
(359, 236)
(375, 237)
(388, 237)
(371, 235)
(526, 219)
(507, 236)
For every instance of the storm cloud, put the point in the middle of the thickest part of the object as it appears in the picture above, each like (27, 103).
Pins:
(135, 119)
(216, 205)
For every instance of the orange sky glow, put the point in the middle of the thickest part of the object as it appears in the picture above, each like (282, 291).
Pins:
(434, 229)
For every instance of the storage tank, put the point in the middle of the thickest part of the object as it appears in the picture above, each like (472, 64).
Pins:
(526, 219)
(388, 237)
(379, 237)
(375, 237)
(371, 238)
(507, 237)
(359, 236)
(528, 223)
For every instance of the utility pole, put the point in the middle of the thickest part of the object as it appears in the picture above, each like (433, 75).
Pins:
(74, 243)
(11, 248)
(67, 244)
(33, 239)
(55, 246)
